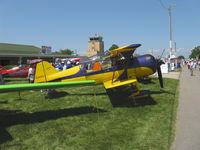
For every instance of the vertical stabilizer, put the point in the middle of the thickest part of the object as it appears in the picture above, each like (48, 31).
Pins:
(43, 70)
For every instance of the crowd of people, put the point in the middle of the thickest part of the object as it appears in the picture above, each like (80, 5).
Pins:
(63, 65)
(192, 65)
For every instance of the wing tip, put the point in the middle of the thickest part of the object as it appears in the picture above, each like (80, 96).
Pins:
(134, 46)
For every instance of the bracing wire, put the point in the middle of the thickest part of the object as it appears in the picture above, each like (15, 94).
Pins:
(162, 52)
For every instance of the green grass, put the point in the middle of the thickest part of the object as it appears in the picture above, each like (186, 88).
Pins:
(82, 120)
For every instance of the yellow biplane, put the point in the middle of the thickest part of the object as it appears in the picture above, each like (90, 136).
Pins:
(117, 69)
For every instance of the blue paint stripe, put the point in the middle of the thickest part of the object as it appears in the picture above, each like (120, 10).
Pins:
(133, 46)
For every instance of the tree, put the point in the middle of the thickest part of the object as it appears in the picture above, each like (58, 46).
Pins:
(195, 53)
(114, 46)
(181, 57)
(64, 51)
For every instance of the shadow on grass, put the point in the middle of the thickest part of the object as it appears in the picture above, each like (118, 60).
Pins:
(14, 80)
(4, 102)
(131, 102)
(88, 94)
(145, 81)
(55, 94)
(161, 92)
(129, 96)
(14, 117)
(6, 81)
(116, 99)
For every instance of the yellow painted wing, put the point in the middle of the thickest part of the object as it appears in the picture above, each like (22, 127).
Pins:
(131, 47)
(111, 84)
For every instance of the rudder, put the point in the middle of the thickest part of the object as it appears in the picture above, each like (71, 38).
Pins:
(42, 71)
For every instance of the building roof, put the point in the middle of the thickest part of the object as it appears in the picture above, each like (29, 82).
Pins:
(19, 49)
(6, 55)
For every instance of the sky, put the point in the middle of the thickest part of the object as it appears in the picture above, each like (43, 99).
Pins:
(64, 24)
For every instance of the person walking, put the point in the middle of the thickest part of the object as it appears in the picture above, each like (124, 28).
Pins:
(192, 67)
(198, 63)
(31, 73)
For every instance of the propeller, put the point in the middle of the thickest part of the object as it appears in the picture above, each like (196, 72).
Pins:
(159, 63)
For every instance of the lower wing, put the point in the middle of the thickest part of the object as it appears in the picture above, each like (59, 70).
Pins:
(111, 84)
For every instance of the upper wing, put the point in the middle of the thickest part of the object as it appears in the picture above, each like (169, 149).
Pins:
(47, 85)
(126, 48)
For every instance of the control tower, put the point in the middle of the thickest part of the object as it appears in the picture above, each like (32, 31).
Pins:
(95, 45)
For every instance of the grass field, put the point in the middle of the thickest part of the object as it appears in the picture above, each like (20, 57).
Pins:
(83, 118)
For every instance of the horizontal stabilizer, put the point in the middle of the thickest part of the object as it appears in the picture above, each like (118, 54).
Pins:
(47, 85)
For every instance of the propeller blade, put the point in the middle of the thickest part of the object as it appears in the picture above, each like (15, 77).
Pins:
(160, 76)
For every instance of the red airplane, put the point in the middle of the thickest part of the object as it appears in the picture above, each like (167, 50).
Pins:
(19, 71)
(16, 72)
